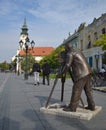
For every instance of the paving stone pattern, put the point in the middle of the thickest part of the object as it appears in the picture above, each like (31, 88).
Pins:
(21, 100)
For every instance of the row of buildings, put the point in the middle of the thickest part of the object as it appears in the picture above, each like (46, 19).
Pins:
(83, 38)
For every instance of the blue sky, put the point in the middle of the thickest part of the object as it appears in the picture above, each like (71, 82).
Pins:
(49, 21)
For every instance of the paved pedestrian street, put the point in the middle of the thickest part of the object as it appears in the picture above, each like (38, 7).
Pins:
(21, 101)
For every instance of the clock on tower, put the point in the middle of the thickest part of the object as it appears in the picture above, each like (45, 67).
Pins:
(24, 34)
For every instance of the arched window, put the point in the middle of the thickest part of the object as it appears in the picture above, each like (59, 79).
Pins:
(103, 31)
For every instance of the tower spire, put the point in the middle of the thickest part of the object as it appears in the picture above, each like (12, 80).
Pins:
(23, 34)
(24, 28)
(24, 25)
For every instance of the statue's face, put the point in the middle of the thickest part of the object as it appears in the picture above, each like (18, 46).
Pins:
(68, 46)
(62, 57)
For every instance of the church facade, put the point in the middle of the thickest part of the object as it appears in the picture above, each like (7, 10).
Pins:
(37, 52)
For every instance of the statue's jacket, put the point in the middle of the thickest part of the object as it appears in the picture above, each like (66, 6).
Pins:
(76, 61)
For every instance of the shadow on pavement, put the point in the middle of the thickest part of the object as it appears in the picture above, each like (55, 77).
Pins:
(8, 124)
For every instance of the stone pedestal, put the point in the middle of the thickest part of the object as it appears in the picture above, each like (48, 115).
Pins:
(81, 113)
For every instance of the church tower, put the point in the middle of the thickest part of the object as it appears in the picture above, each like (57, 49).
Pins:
(23, 34)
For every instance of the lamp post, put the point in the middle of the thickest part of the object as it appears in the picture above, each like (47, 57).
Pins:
(27, 45)
(17, 64)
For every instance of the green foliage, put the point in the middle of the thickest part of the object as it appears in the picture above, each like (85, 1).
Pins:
(53, 76)
(4, 66)
(101, 41)
(52, 59)
(29, 64)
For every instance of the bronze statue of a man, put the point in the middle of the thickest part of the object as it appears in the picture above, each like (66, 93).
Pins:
(76, 62)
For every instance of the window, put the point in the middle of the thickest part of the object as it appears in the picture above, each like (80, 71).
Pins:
(95, 36)
(90, 61)
(81, 45)
(89, 42)
(103, 31)
(89, 37)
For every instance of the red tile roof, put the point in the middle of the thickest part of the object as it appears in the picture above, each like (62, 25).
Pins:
(38, 51)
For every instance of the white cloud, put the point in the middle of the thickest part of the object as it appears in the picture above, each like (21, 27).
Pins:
(68, 12)
(49, 21)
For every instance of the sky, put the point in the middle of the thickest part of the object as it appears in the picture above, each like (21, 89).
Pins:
(49, 21)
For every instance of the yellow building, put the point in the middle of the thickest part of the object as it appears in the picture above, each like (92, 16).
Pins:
(85, 37)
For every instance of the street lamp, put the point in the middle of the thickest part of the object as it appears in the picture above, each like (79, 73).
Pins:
(27, 45)
(32, 44)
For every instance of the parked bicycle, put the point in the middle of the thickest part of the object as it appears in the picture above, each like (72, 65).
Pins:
(98, 79)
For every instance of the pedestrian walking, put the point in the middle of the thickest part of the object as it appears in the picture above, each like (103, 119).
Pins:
(36, 70)
(46, 72)
(102, 70)
(103, 73)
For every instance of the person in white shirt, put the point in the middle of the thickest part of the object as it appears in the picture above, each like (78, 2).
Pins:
(102, 70)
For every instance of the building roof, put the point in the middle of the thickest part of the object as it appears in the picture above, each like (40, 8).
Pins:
(38, 51)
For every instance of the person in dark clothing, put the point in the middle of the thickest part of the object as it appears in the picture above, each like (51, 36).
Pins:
(46, 72)
(81, 71)
(36, 70)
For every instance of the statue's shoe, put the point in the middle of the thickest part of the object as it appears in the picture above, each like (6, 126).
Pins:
(90, 108)
(69, 109)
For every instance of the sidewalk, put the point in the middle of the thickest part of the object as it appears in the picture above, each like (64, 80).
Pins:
(20, 104)
(101, 87)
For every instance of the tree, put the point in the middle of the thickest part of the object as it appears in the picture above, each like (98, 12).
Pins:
(53, 58)
(101, 41)
(4, 66)
(30, 62)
